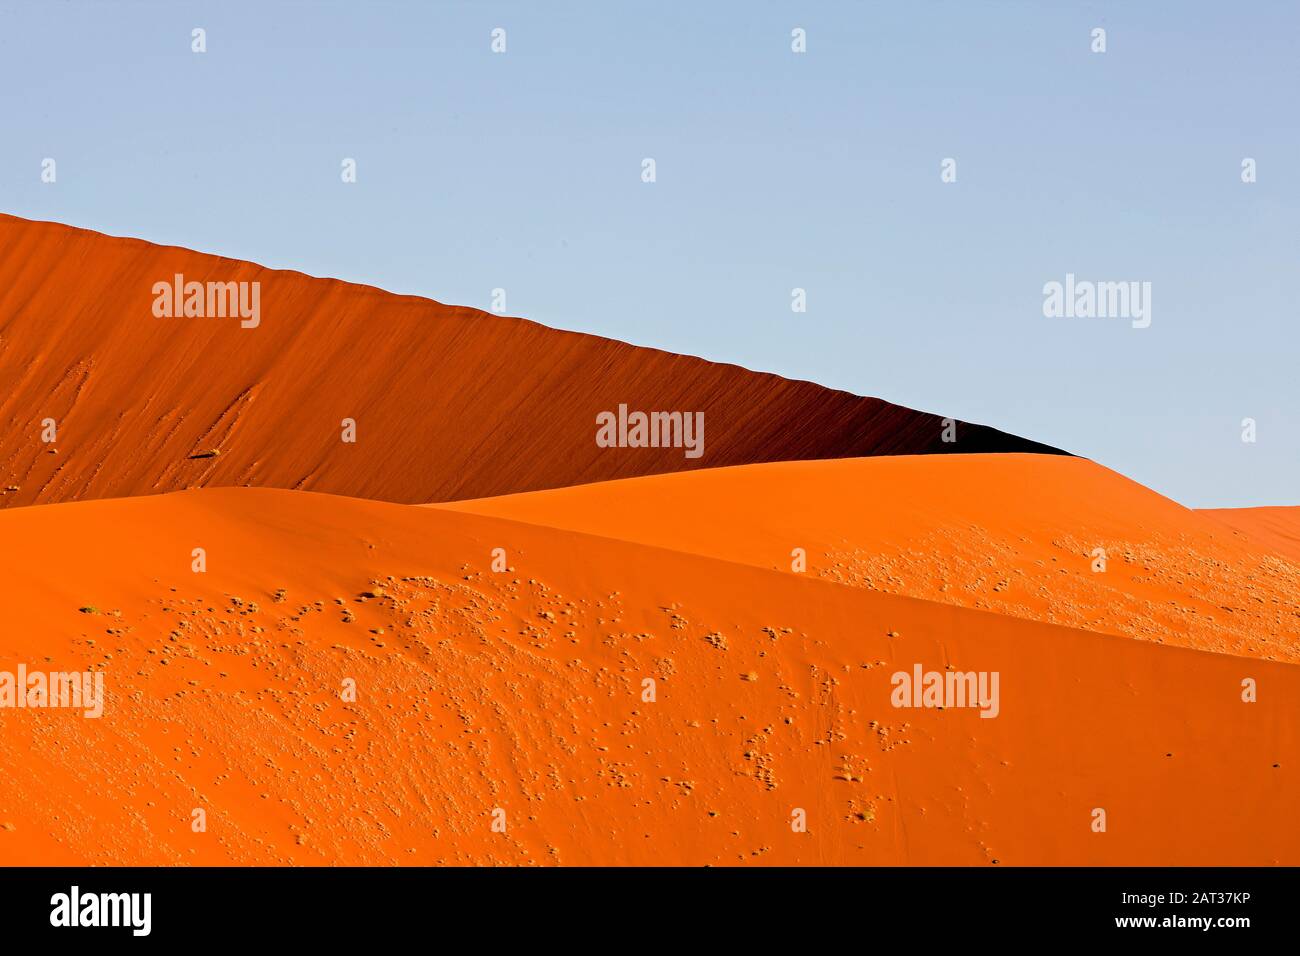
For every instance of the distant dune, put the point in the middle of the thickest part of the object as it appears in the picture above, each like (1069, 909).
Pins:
(449, 402)
(1016, 534)
(518, 697)
(1274, 527)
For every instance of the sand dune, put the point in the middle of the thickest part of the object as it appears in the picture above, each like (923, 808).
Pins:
(1016, 534)
(1276, 528)
(448, 402)
(521, 690)
(607, 672)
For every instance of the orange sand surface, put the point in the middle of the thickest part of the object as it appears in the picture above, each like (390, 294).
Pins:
(1276, 528)
(522, 690)
(448, 402)
(1009, 533)
(632, 667)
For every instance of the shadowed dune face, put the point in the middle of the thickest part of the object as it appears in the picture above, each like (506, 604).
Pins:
(1015, 534)
(523, 691)
(448, 402)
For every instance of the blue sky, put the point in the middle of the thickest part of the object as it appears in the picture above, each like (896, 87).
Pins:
(775, 170)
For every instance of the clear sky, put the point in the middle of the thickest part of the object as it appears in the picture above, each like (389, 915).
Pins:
(775, 170)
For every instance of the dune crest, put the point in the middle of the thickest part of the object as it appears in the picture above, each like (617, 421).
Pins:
(1050, 538)
(444, 402)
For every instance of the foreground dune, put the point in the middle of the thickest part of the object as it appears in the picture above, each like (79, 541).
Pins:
(1016, 534)
(522, 691)
(448, 403)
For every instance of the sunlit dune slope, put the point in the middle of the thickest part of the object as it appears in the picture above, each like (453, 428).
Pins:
(1016, 534)
(523, 691)
(447, 402)
(1274, 528)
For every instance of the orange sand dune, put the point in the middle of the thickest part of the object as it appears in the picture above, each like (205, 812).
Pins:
(1275, 528)
(522, 691)
(448, 402)
(1014, 534)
